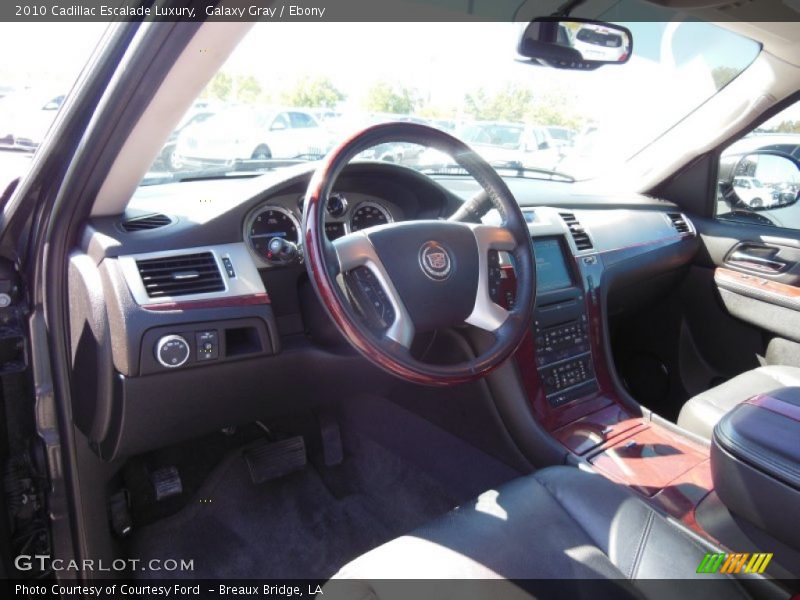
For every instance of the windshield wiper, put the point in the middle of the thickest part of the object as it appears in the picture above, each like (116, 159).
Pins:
(522, 170)
(516, 168)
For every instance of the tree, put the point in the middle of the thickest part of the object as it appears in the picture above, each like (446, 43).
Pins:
(518, 103)
(219, 88)
(313, 92)
(384, 97)
(723, 76)
(247, 89)
(788, 127)
(555, 107)
(509, 104)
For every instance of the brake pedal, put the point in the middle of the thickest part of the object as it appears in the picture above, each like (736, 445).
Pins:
(269, 460)
(166, 482)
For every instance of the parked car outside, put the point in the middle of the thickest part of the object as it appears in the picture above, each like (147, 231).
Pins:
(563, 137)
(251, 132)
(752, 192)
(503, 144)
(25, 118)
(596, 42)
(775, 196)
(167, 159)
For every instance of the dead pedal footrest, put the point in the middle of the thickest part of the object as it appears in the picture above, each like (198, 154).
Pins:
(270, 460)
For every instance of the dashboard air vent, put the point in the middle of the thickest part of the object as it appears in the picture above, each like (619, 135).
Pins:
(679, 222)
(180, 275)
(145, 222)
(579, 235)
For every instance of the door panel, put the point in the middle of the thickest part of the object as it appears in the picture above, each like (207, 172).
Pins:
(756, 275)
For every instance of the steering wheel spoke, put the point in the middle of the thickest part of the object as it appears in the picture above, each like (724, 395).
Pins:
(486, 314)
(356, 250)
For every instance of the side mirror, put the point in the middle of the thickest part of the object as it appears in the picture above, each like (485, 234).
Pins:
(572, 43)
(278, 126)
(761, 180)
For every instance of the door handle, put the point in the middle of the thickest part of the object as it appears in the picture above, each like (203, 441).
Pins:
(740, 258)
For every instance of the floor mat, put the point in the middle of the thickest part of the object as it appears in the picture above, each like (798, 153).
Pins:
(305, 525)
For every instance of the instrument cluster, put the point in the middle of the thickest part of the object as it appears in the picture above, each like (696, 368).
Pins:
(272, 230)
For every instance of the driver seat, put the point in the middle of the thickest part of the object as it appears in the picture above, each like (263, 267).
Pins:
(559, 523)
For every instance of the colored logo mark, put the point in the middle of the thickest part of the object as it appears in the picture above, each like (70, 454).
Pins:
(741, 562)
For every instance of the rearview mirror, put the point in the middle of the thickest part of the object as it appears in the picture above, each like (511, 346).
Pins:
(760, 180)
(572, 43)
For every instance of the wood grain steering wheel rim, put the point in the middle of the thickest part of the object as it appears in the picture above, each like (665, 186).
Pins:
(420, 263)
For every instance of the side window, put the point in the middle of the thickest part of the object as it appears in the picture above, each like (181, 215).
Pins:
(301, 120)
(759, 174)
(280, 122)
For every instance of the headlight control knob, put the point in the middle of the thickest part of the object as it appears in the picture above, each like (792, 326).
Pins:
(172, 351)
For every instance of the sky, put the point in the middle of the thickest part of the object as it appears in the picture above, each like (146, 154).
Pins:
(45, 54)
(668, 76)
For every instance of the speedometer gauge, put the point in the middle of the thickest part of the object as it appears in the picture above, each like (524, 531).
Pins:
(369, 214)
(271, 222)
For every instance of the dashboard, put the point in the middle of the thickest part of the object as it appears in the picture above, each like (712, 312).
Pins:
(195, 311)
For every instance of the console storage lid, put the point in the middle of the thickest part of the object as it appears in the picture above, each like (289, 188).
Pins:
(755, 462)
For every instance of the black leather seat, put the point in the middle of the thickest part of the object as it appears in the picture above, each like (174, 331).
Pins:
(701, 413)
(559, 523)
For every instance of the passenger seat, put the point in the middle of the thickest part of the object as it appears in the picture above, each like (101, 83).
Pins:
(701, 413)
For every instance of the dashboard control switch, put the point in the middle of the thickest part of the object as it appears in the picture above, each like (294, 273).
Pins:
(226, 262)
(172, 351)
(207, 345)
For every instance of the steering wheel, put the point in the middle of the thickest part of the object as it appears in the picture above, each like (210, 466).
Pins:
(426, 274)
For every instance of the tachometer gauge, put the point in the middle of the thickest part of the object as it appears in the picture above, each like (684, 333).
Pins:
(369, 214)
(269, 223)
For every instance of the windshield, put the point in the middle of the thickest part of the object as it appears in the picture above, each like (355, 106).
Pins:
(288, 94)
(497, 135)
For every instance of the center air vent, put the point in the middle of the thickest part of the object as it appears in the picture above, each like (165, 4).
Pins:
(679, 222)
(145, 222)
(180, 275)
(579, 235)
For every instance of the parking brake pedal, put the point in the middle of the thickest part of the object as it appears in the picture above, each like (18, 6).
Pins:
(166, 482)
(269, 460)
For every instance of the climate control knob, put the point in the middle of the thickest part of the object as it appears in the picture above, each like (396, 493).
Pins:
(172, 351)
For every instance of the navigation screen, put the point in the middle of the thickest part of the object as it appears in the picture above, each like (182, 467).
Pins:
(551, 269)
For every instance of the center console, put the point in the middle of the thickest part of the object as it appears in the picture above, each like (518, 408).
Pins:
(564, 367)
(561, 326)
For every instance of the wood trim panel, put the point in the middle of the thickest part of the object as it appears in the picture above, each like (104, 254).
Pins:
(756, 282)
(596, 429)
(648, 460)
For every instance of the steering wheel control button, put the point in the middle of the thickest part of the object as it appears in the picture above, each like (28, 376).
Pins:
(435, 261)
(172, 351)
(372, 299)
(207, 345)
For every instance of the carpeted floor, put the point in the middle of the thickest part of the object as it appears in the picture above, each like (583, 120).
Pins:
(305, 525)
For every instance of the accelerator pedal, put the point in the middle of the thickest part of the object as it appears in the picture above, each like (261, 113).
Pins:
(332, 451)
(269, 460)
